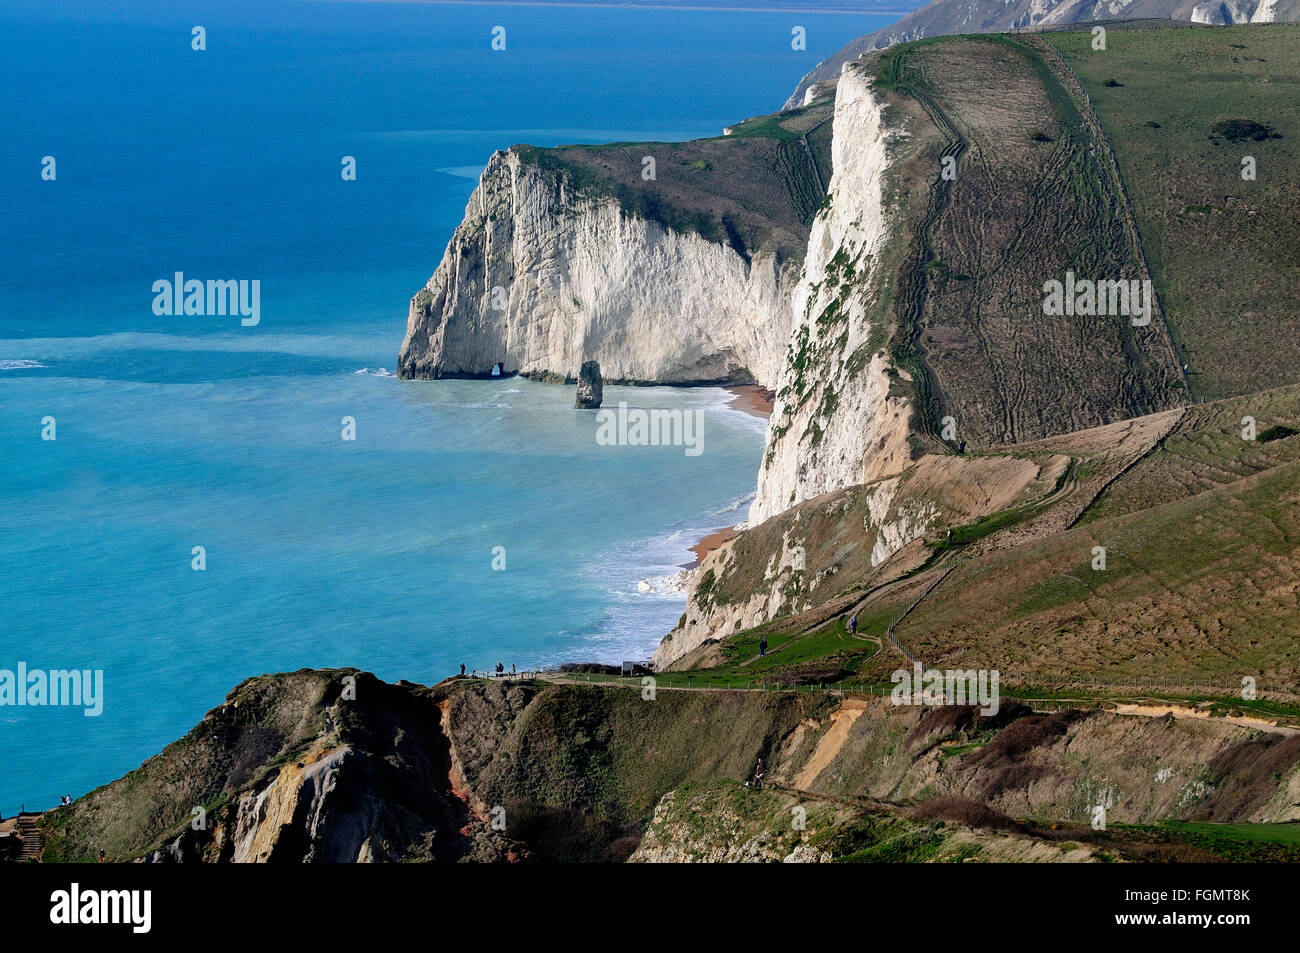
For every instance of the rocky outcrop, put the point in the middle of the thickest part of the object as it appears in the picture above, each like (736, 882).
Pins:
(542, 276)
(332, 766)
(590, 389)
(1222, 12)
(834, 423)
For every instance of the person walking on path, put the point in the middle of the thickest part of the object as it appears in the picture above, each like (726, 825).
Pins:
(853, 625)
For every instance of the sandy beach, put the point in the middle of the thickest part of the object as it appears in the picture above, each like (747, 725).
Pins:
(752, 399)
(711, 542)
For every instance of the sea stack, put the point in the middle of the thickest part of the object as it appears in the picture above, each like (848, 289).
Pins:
(590, 391)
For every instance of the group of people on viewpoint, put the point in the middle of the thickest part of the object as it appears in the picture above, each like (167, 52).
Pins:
(498, 671)
(500, 668)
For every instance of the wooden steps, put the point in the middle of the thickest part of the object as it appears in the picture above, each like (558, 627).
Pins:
(33, 842)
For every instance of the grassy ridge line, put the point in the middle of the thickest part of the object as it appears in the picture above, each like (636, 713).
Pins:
(908, 351)
(1221, 700)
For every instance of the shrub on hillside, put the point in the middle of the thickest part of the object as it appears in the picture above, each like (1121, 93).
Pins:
(1276, 432)
(1242, 130)
(956, 810)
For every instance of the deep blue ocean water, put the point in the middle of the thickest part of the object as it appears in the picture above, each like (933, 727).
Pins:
(176, 432)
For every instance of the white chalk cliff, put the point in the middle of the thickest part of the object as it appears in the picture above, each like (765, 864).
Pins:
(1222, 12)
(540, 279)
(834, 424)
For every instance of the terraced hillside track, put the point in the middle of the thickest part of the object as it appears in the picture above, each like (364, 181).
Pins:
(1033, 199)
(1051, 56)
(948, 562)
(823, 179)
(796, 166)
(1069, 486)
(1135, 701)
(889, 632)
(1179, 423)
(914, 278)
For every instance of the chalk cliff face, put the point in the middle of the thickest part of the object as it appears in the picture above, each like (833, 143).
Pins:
(834, 423)
(540, 278)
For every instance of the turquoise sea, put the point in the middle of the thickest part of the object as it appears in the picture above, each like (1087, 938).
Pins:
(177, 432)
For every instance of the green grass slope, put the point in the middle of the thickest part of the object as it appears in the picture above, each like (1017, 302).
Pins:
(1205, 588)
(1224, 251)
(756, 189)
(1203, 578)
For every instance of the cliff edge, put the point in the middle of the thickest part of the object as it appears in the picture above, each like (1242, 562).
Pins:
(667, 263)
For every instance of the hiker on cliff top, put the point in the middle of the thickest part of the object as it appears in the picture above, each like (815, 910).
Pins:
(462, 669)
(500, 668)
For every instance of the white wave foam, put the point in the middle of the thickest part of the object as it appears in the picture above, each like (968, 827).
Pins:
(725, 404)
(735, 505)
(19, 365)
(676, 584)
(376, 372)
